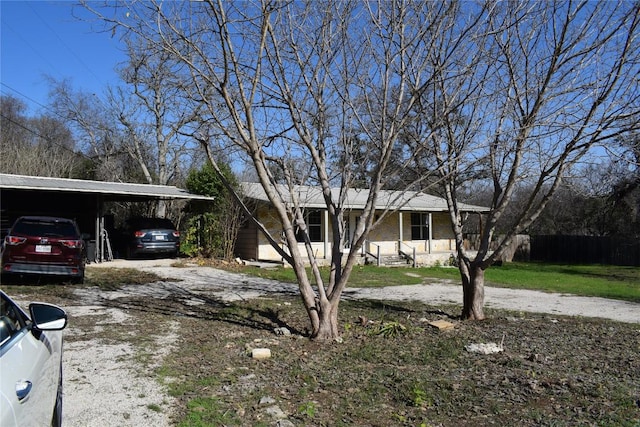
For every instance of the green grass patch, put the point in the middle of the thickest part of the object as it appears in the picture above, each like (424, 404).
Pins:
(606, 281)
(154, 407)
(362, 276)
(205, 412)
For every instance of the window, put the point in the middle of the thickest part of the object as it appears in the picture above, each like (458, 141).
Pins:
(419, 226)
(11, 321)
(314, 226)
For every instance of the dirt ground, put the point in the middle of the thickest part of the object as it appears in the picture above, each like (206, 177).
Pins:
(105, 383)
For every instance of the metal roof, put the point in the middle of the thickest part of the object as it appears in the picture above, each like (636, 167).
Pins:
(311, 197)
(109, 189)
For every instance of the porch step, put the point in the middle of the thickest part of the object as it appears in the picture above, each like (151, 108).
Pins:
(393, 260)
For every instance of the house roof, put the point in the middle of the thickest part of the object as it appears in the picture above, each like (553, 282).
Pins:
(311, 197)
(121, 190)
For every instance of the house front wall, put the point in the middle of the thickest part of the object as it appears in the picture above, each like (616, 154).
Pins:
(385, 237)
(269, 218)
(442, 238)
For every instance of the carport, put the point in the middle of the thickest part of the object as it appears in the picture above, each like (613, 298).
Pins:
(82, 200)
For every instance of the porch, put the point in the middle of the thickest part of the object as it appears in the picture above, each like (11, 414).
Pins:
(406, 255)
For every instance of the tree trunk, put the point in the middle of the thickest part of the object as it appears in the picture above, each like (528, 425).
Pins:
(327, 329)
(472, 291)
(161, 209)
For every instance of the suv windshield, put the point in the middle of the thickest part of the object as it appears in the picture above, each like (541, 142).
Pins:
(35, 227)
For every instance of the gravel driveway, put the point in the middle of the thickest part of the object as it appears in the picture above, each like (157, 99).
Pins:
(104, 383)
(232, 286)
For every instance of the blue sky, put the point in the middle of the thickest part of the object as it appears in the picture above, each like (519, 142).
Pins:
(40, 38)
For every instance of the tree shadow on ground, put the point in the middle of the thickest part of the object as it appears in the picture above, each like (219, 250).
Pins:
(409, 308)
(181, 302)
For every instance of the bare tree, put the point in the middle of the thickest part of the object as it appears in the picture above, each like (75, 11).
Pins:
(152, 112)
(514, 94)
(548, 83)
(302, 90)
(144, 118)
(39, 145)
(94, 125)
(53, 150)
(14, 138)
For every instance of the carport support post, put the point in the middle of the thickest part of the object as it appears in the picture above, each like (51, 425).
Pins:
(99, 227)
(96, 232)
(101, 237)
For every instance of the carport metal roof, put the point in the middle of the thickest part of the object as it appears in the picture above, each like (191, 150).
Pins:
(19, 190)
(109, 190)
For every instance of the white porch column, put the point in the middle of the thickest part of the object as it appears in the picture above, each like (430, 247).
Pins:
(430, 231)
(326, 234)
(400, 226)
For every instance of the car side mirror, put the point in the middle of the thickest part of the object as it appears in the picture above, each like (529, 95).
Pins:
(47, 317)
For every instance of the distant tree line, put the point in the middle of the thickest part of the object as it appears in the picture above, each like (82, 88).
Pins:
(605, 202)
(42, 145)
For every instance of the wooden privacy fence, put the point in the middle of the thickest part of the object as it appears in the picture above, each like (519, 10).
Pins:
(586, 250)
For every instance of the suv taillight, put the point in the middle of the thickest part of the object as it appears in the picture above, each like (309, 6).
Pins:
(73, 244)
(14, 240)
(176, 234)
(139, 233)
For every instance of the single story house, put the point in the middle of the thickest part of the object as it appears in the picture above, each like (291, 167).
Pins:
(417, 229)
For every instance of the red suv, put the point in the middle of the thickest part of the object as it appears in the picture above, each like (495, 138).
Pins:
(47, 246)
